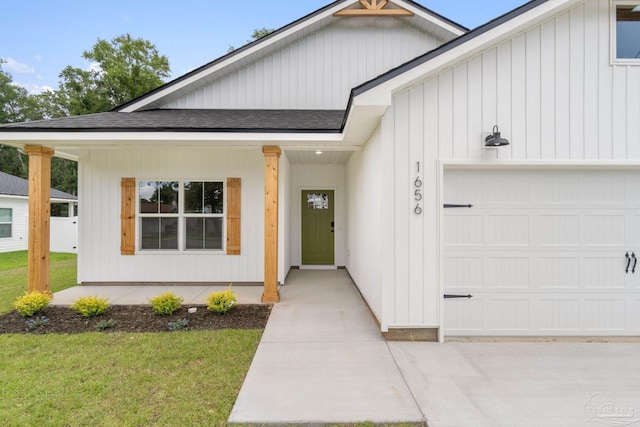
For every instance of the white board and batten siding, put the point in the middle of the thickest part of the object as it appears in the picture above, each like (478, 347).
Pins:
(99, 189)
(317, 71)
(554, 94)
(366, 208)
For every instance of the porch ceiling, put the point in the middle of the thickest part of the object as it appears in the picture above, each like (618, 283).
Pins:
(304, 157)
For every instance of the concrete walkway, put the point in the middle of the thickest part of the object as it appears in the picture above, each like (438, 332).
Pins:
(322, 360)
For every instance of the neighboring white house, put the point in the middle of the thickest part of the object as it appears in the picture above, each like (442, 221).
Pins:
(14, 212)
(357, 137)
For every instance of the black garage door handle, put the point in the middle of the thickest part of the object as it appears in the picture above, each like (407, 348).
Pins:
(635, 262)
(628, 262)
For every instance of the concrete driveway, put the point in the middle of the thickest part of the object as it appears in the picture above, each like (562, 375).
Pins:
(523, 384)
(322, 360)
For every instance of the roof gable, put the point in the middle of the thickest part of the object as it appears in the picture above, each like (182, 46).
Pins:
(456, 50)
(423, 20)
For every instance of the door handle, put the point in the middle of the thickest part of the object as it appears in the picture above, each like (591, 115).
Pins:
(332, 226)
(635, 262)
(628, 262)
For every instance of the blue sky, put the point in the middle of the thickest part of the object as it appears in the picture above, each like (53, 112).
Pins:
(39, 38)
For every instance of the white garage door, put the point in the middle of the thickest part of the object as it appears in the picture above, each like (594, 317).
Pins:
(542, 252)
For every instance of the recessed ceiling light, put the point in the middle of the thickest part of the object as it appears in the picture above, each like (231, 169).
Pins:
(318, 152)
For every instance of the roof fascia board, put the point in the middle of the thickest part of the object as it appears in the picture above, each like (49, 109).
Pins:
(13, 196)
(234, 56)
(52, 199)
(88, 139)
(433, 17)
(379, 91)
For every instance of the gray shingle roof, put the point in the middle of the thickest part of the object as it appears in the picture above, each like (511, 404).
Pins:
(13, 186)
(192, 120)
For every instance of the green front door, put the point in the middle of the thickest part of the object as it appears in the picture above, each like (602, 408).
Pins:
(317, 227)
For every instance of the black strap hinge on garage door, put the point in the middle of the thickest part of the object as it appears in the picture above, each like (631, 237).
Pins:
(457, 296)
(448, 206)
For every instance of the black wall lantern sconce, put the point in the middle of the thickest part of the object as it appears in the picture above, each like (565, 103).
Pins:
(495, 140)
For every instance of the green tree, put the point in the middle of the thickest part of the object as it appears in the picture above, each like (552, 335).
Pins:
(12, 98)
(124, 69)
(258, 33)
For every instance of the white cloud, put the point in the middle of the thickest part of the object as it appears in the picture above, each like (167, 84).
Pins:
(14, 67)
(94, 66)
(38, 58)
(33, 89)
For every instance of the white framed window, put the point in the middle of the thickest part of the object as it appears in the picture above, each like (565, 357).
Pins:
(6, 222)
(181, 215)
(625, 28)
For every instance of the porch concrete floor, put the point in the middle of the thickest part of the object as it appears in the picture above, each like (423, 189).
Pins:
(125, 295)
(322, 360)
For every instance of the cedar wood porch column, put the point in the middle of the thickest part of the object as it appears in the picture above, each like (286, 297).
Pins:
(271, 156)
(39, 217)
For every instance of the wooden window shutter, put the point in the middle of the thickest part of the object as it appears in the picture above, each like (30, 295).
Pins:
(128, 216)
(233, 215)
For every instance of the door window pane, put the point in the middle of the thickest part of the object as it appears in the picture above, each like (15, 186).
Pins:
(317, 201)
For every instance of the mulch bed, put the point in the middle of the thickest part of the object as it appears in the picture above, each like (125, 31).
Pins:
(137, 318)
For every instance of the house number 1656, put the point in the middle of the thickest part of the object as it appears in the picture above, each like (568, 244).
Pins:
(417, 192)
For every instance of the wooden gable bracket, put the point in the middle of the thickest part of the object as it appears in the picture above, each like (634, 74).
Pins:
(374, 8)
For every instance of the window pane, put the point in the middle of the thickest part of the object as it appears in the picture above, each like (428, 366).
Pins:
(60, 209)
(5, 231)
(203, 197)
(192, 197)
(159, 233)
(628, 31)
(213, 233)
(150, 237)
(213, 200)
(158, 196)
(194, 233)
(203, 233)
(5, 214)
(169, 233)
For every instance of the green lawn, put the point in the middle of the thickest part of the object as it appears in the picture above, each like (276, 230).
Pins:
(185, 378)
(13, 276)
(119, 379)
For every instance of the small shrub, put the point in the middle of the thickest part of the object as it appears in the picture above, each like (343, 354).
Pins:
(178, 324)
(167, 303)
(36, 322)
(221, 302)
(90, 306)
(105, 324)
(31, 303)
